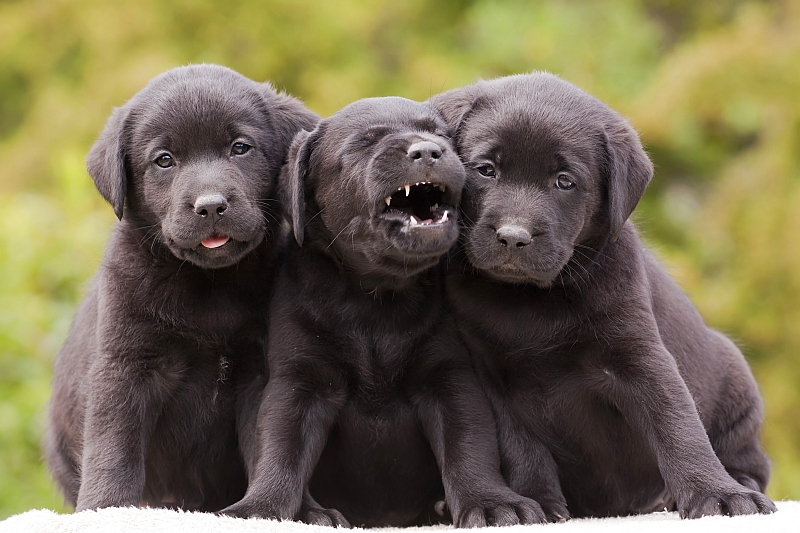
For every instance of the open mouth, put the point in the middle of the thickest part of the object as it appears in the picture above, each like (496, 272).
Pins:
(418, 204)
(215, 241)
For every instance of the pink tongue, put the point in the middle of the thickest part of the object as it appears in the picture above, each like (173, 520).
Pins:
(215, 241)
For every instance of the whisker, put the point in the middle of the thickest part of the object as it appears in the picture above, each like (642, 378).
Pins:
(180, 266)
(312, 218)
(157, 235)
(337, 236)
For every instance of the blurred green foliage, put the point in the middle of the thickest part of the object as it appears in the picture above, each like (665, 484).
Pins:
(712, 86)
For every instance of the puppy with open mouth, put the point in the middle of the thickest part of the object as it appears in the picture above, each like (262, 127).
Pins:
(611, 395)
(370, 396)
(144, 408)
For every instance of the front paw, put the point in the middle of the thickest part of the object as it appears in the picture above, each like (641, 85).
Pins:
(319, 516)
(555, 511)
(501, 510)
(257, 508)
(731, 500)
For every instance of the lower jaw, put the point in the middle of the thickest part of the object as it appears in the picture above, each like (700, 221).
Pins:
(418, 254)
(229, 254)
(515, 276)
(423, 241)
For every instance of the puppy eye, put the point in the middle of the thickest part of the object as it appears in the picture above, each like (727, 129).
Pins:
(165, 161)
(240, 148)
(486, 170)
(564, 183)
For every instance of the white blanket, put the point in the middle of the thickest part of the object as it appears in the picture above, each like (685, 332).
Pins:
(133, 520)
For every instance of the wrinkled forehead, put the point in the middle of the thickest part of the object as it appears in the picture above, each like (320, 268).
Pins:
(388, 114)
(522, 131)
(195, 111)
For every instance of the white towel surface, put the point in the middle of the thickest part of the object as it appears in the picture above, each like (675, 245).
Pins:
(134, 520)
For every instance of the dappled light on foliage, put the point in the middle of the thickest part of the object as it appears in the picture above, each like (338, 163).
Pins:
(723, 113)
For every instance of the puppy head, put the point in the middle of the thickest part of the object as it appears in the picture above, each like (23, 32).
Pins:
(549, 169)
(192, 161)
(377, 185)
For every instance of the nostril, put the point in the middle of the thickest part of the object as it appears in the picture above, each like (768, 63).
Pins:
(211, 204)
(516, 235)
(426, 150)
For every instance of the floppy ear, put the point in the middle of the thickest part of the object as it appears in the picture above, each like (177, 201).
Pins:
(289, 115)
(455, 107)
(106, 161)
(294, 178)
(628, 170)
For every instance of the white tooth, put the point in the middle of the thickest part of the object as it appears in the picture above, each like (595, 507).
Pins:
(399, 188)
(434, 207)
(408, 189)
(388, 200)
(444, 217)
(440, 187)
(414, 221)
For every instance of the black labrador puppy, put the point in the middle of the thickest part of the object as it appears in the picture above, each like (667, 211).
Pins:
(143, 407)
(610, 394)
(369, 395)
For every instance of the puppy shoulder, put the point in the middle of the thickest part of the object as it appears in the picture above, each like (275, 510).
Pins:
(624, 264)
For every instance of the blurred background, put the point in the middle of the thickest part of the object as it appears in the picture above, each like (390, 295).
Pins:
(713, 87)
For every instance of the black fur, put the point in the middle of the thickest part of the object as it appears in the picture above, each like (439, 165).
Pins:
(610, 394)
(370, 395)
(144, 408)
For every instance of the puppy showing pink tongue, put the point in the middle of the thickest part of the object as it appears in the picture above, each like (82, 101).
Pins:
(215, 241)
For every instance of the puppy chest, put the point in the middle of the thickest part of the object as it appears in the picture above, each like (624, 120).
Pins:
(196, 379)
(376, 364)
(219, 317)
(391, 428)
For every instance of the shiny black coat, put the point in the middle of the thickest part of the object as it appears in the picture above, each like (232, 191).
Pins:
(610, 394)
(144, 406)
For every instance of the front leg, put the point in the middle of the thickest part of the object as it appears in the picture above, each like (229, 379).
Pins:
(456, 419)
(645, 384)
(527, 464)
(123, 403)
(294, 420)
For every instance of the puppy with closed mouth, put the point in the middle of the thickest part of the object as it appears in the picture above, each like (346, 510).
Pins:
(370, 396)
(144, 410)
(610, 394)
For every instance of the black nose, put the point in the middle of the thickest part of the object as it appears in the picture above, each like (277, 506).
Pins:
(425, 151)
(213, 205)
(513, 236)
